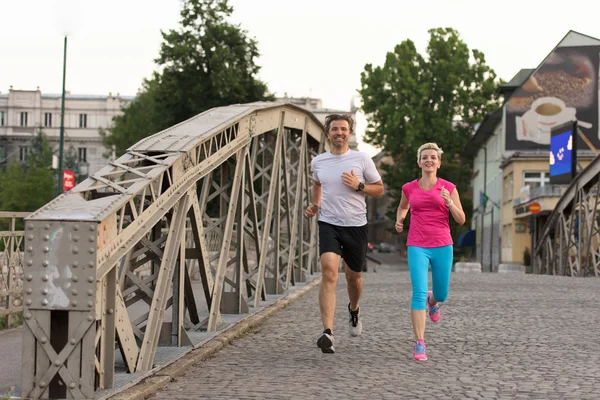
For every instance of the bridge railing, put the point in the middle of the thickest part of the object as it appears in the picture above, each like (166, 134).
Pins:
(111, 263)
(569, 243)
(11, 265)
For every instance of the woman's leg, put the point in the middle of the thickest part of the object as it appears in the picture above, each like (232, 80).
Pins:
(441, 267)
(418, 264)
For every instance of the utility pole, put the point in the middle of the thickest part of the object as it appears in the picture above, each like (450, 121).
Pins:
(62, 123)
(483, 198)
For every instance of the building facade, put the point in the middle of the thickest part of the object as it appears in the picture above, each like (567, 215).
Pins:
(511, 148)
(316, 107)
(380, 227)
(23, 113)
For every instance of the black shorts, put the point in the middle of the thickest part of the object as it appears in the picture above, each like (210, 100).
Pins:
(350, 242)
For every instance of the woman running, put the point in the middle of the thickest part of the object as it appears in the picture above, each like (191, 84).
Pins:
(429, 199)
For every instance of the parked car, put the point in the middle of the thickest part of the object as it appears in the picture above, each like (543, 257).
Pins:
(386, 248)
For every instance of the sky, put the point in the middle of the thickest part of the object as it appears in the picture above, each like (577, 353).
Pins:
(309, 48)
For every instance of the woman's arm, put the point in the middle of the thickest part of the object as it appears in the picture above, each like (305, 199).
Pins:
(456, 208)
(403, 208)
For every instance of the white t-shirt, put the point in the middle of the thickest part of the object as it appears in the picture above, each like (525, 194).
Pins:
(340, 204)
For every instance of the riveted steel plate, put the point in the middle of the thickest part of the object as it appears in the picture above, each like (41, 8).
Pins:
(60, 265)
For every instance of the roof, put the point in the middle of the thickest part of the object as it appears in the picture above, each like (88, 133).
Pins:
(331, 110)
(542, 154)
(519, 78)
(379, 156)
(85, 96)
(484, 131)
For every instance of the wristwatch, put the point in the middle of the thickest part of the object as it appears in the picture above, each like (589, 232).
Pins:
(361, 186)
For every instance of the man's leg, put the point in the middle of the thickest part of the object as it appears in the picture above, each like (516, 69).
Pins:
(354, 251)
(355, 286)
(329, 276)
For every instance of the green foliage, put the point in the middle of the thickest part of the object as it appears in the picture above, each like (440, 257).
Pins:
(70, 158)
(414, 99)
(207, 62)
(16, 320)
(28, 186)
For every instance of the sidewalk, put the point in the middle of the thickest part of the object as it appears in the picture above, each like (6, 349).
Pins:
(500, 337)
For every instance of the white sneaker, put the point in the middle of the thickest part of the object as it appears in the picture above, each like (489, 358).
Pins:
(355, 323)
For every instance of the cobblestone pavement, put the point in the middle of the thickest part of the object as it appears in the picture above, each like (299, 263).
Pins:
(501, 336)
(10, 360)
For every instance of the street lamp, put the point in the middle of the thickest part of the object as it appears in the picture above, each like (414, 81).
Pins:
(62, 124)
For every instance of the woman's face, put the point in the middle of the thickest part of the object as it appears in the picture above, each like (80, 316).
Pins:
(430, 161)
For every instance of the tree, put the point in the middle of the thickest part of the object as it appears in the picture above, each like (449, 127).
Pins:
(30, 185)
(207, 62)
(414, 99)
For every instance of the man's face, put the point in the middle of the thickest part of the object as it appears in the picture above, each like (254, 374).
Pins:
(339, 133)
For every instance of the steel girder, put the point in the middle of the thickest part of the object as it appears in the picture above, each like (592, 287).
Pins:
(569, 244)
(219, 197)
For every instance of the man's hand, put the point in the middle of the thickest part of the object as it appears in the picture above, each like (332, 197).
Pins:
(399, 225)
(350, 180)
(312, 210)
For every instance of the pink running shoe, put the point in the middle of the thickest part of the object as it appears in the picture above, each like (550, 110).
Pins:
(420, 354)
(434, 311)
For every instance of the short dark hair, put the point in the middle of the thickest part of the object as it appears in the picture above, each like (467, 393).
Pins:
(338, 117)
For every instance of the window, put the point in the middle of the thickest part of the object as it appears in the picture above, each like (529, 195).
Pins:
(24, 118)
(82, 154)
(536, 179)
(23, 151)
(83, 120)
(47, 120)
(1, 118)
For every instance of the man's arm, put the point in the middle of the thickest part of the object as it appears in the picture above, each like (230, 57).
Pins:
(313, 208)
(374, 189)
(316, 193)
(371, 189)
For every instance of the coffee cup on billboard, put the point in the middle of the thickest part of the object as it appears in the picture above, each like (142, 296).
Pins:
(545, 113)
(549, 110)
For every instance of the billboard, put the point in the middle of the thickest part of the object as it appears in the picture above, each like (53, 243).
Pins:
(563, 88)
(563, 153)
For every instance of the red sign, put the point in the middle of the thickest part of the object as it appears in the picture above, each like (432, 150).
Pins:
(535, 207)
(68, 180)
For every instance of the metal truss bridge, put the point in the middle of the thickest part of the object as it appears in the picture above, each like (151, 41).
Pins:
(569, 242)
(192, 225)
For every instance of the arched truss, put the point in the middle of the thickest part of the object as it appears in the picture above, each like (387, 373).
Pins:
(219, 198)
(569, 243)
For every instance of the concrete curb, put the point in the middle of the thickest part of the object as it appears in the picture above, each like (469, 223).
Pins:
(467, 267)
(511, 268)
(164, 376)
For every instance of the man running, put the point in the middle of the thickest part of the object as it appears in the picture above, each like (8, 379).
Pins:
(342, 178)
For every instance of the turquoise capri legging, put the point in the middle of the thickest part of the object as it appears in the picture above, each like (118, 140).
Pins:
(418, 265)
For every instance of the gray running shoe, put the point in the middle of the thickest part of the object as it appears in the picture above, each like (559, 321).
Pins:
(325, 343)
(355, 322)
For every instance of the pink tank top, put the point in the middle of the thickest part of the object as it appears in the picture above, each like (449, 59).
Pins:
(429, 215)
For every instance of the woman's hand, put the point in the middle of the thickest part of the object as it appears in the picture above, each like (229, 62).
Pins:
(399, 225)
(445, 194)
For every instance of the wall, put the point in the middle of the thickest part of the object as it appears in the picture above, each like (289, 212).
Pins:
(495, 150)
(514, 242)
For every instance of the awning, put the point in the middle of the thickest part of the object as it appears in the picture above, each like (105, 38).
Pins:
(467, 239)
